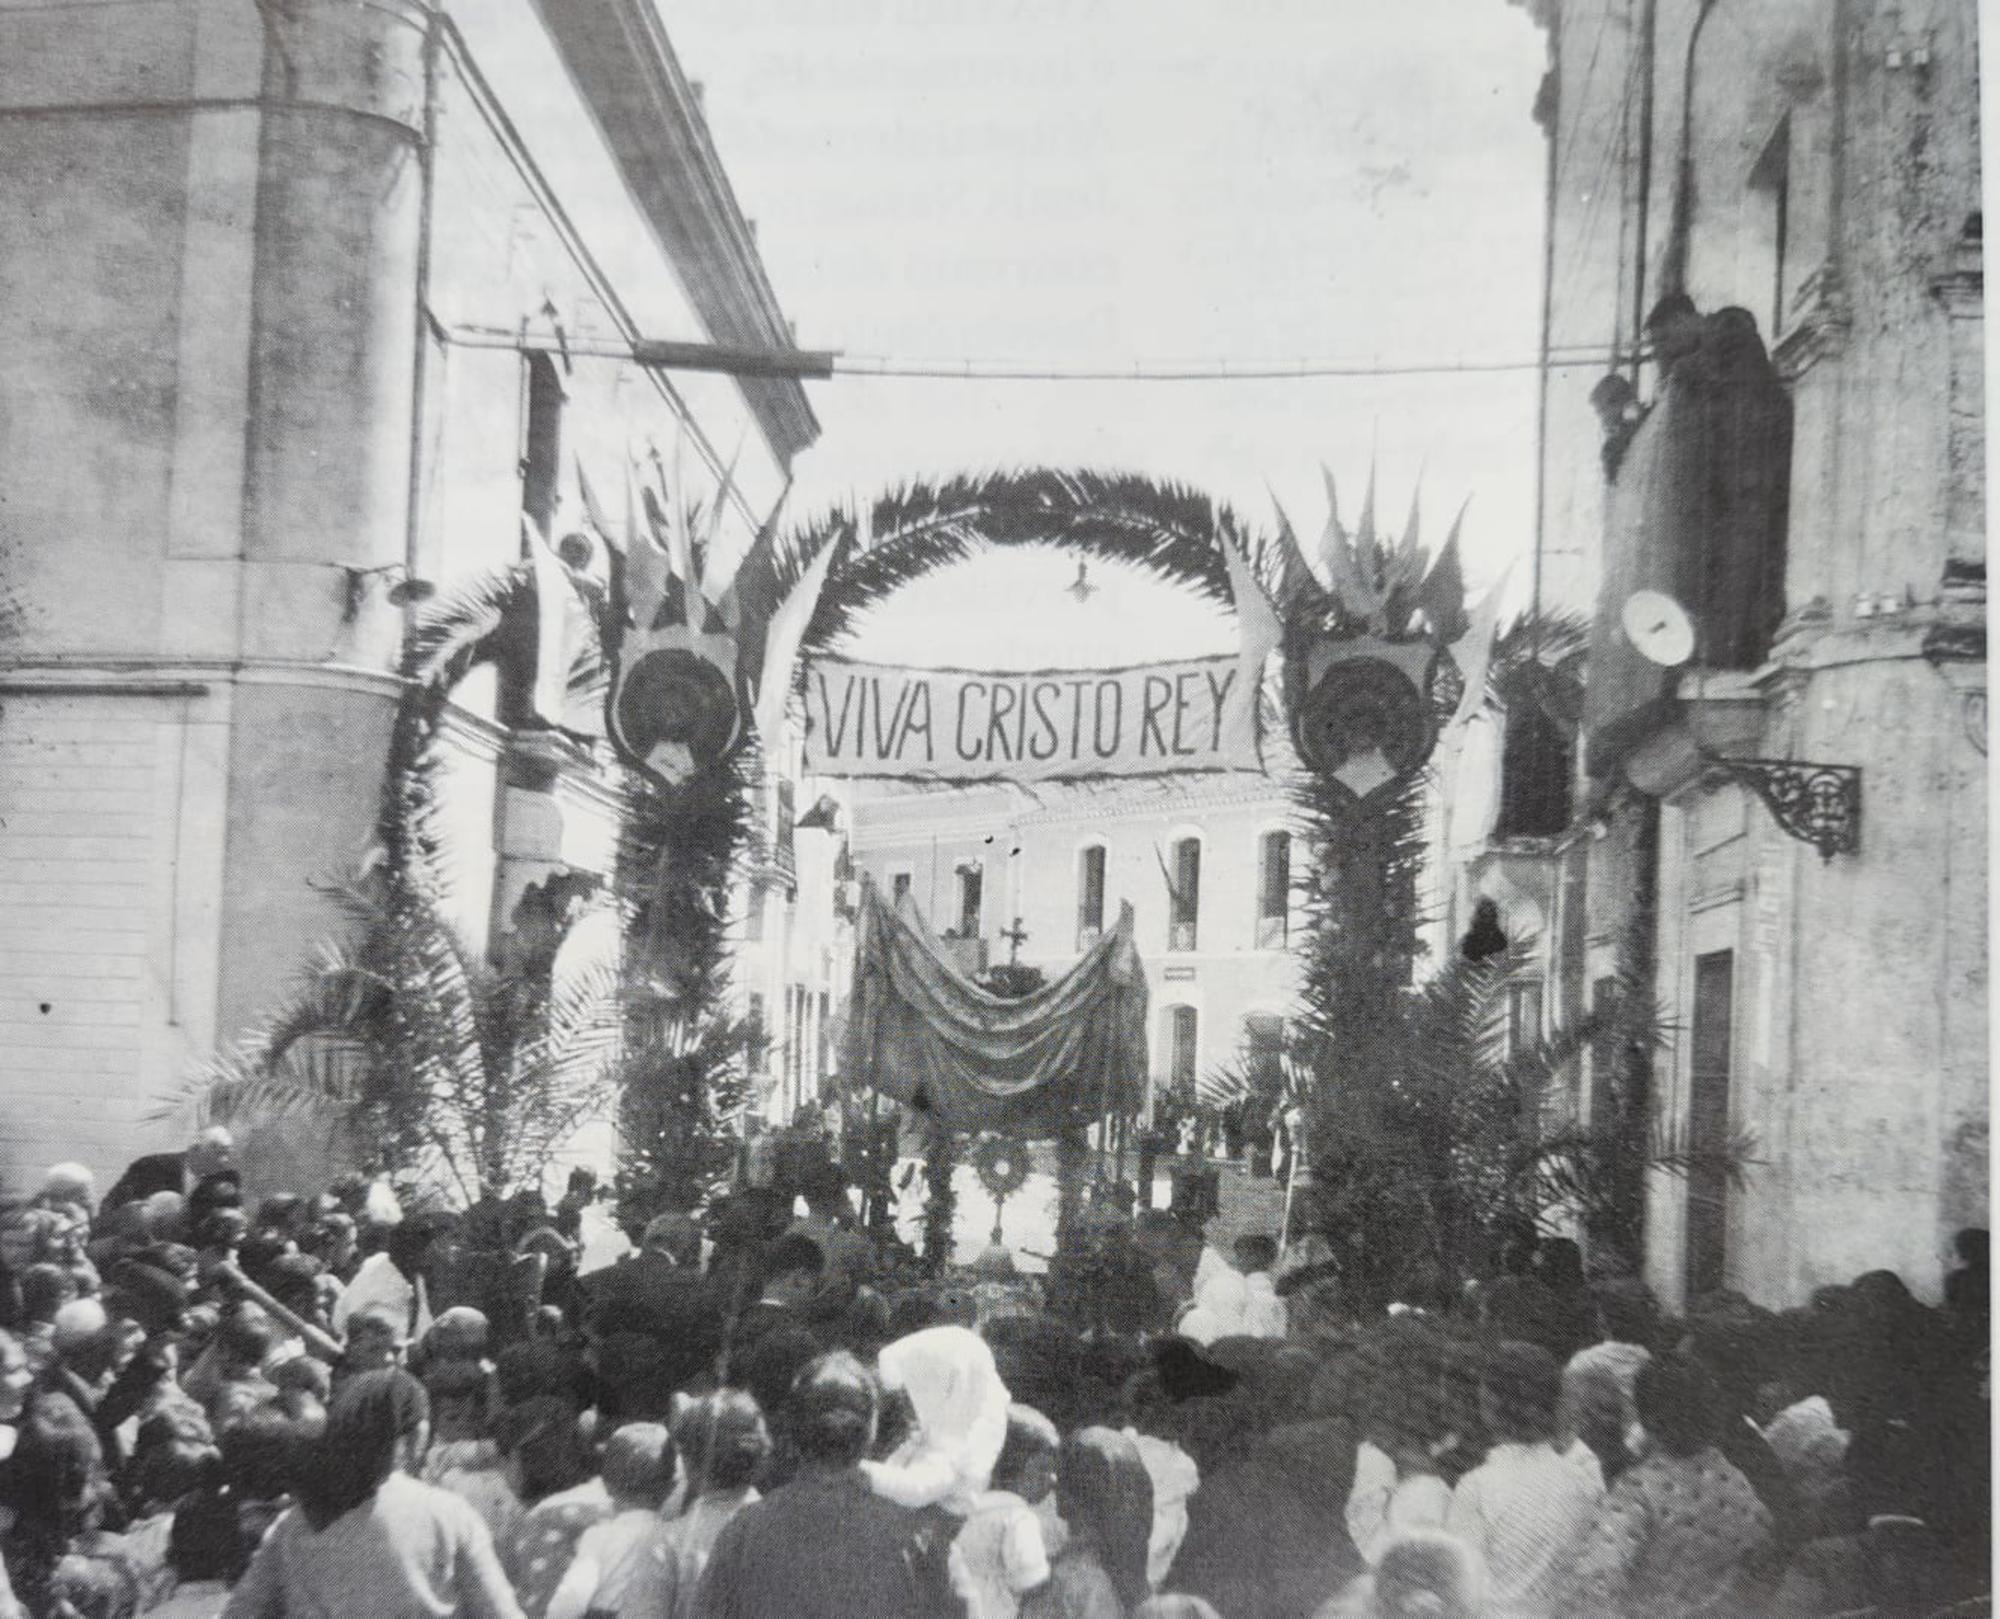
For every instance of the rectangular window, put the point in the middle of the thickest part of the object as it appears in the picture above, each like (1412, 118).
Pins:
(1264, 1049)
(1184, 914)
(1274, 890)
(1090, 896)
(971, 895)
(1524, 1015)
(1710, 1042)
(785, 817)
(1183, 1039)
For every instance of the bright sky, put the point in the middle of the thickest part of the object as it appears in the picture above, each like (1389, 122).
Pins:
(1099, 181)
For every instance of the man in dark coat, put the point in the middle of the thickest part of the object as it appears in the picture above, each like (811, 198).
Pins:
(213, 1152)
(825, 1546)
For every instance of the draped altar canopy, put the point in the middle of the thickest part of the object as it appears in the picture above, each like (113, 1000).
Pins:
(922, 1033)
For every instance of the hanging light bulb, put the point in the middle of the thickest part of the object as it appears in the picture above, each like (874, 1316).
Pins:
(1082, 589)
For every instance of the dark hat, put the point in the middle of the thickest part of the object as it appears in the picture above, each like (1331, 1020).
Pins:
(1186, 1372)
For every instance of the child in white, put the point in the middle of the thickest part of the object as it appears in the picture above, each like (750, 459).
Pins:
(959, 1407)
(1000, 1555)
(624, 1566)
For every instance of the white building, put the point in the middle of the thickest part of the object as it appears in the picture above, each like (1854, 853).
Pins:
(1206, 862)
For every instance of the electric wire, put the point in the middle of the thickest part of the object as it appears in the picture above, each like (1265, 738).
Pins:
(1000, 370)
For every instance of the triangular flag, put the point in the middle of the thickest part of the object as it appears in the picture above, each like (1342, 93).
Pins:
(1346, 575)
(1256, 619)
(717, 508)
(1473, 651)
(648, 570)
(1295, 573)
(1410, 555)
(781, 645)
(1441, 597)
(592, 508)
(1259, 630)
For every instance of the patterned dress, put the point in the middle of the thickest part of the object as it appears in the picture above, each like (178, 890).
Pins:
(1677, 1536)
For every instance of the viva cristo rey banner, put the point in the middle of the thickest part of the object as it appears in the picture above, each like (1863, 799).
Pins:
(865, 719)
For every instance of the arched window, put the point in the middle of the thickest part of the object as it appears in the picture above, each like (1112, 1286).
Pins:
(1274, 890)
(1089, 895)
(1184, 895)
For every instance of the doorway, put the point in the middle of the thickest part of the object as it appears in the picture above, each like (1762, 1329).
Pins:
(1708, 1121)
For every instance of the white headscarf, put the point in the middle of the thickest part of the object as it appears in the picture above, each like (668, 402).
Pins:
(1219, 1307)
(960, 1406)
(1264, 1313)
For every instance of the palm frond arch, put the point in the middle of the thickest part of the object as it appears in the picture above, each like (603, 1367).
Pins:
(1168, 530)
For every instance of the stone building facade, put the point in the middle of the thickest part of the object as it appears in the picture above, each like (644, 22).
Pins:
(1206, 863)
(312, 302)
(1812, 167)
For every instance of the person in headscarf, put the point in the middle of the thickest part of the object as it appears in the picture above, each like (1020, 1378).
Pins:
(1221, 1302)
(1265, 1315)
(1106, 1500)
(959, 1420)
(364, 1536)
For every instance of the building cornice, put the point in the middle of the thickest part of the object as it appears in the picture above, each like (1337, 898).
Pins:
(618, 54)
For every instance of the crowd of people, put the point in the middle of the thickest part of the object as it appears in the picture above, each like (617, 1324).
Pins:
(326, 1405)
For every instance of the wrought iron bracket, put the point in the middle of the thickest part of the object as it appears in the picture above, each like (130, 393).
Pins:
(1815, 803)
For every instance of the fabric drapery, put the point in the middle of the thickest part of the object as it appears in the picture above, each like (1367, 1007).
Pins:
(922, 1033)
(1698, 512)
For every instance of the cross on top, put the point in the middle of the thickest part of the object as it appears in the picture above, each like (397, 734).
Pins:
(1016, 936)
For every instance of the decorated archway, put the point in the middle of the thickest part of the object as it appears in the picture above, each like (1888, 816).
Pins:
(1378, 655)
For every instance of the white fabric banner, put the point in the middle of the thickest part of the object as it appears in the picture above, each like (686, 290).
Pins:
(865, 719)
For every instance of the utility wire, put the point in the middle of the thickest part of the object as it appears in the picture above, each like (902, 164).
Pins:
(822, 363)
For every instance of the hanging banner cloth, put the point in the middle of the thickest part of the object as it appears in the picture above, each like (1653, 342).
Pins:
(1191, 715)
(866, 719)
(922, 1033)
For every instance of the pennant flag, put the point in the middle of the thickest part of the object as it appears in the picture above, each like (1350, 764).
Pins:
(1441, 597)
(786, 631)
(1410, 555)
(593, 509)
(1473, 651)
(1347, 578)
(1256, 619)
(1296, 575)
